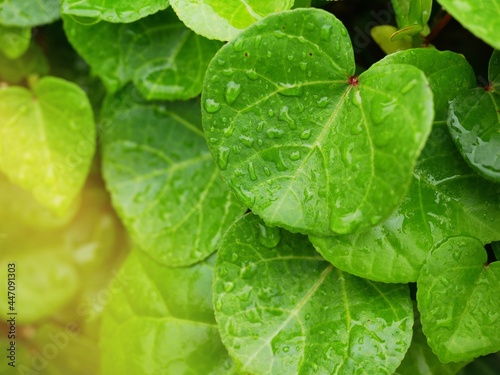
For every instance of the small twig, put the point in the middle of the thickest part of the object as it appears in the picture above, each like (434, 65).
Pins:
(437, 29)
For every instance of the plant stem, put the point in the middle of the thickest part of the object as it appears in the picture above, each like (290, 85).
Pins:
(437, 29)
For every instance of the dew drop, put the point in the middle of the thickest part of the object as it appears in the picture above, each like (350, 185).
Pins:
(288, 89)
(269, 54)
(246, 141)
(326, 32)
(212, 139)
(279, 34)
(221, 62)
(295, 155)
(223, 157)
(260, 126)
(285, 116)
(357, 128)
(228, 132)
(239, 44)
(286, 349)
(356, 100)
(323, 102)
(274, 133)
(252, 74)
(343, 31)
(251, 171)
(306, 134)
(258, 40)
(228, 286)
(233, 90)
(303, 66)
(309, 26)
(267, 171)
(211, 106)
(270, 112)
(228, 72)
(290, 57)
(269, 236)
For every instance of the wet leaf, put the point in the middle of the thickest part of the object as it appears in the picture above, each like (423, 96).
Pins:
(174, 333)
(164, 184)
(55, 140)
(163, 58)
(457, 299)
(304, 143)
(282, 309)
(442, 198)
(420, 360)
(443, 201)
(113, 11)
(224, 19)
(481, 17)
(474, 123)
(22, 13)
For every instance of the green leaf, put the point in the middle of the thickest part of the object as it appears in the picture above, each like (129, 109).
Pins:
(14, 41)
(443, 201)
(112, 11)
(474, 123)
(225, 19)
(282, 309)
(448, 73)
(481, 17)
(382, 35)
(160, 321)
(411, 15)
(496, 249)
(22, 13)
(304, 143)
(494, 69)
(47, 140)
(164, 184)
(457, 299)
(31, 62)
(420, 360)
(163, 58)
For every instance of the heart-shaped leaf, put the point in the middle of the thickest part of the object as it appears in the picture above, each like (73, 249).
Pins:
(224, 19)
(303, 142)
(282, 309)
(164, 184)
(481, 17)
(458, 300)
(22, 13)
(113, 11)
(163, 58)
(174, 333)
(55, 140)
(439, 202)
(474, 122)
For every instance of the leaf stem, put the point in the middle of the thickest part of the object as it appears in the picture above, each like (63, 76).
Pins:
(437, 29)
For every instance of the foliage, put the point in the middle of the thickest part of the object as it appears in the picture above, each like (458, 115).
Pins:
(295, 202)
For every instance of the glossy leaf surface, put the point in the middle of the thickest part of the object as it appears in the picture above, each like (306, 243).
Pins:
(113, 11)
(14, 41)
(55, 140)
(474, 123)
(28, 13)
(457, 299)
(164, 184)
(481, 17)
(282, 309)
(163, 58)
(420, 360)
(174, 333)
(444, 200)
(224, 19)
(305, 144)
(382, 35)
